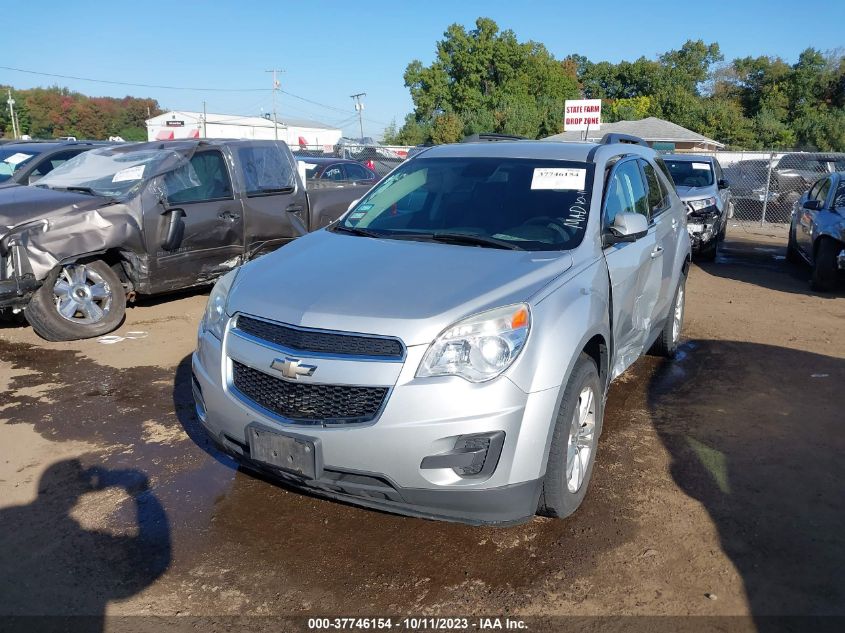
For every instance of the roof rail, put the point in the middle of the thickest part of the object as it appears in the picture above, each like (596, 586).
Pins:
(491, 136)
(614, 137)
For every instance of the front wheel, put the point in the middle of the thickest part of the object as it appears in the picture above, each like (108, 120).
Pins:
(77, 301)
(573, 449)
(824, 265)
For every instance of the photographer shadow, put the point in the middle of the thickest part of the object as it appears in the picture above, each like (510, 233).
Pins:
(57, 573)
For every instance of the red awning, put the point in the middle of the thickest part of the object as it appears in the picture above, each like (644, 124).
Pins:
(164, 135)
(195, 134)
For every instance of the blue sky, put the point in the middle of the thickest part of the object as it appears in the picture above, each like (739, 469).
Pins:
(332, 49)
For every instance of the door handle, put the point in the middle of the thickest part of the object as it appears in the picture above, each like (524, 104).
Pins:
(657, 252)
(294, 208)
(228, 216)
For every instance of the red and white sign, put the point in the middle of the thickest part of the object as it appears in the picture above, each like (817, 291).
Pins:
(582, 114)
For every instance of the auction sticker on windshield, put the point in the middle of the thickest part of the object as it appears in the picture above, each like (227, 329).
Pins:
(559, 178)
(130, 173)
(14, 159)
(704, 166)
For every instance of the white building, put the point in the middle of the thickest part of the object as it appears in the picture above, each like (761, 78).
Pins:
(180, 124)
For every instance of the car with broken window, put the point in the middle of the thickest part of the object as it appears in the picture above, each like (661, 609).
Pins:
(445, 349)
(147, 218)
(705, 192)
(817, 231)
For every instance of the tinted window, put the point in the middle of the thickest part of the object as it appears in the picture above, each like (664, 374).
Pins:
(54, 161)
(333, 172)
(534, 204)
(357, 172)
(211, 174)
(839, 198)
(691, 173)
(625, 192)
(658, 199)
(266, 168)
(821, 196)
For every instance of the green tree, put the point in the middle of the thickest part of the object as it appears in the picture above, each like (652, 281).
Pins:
(489, 82)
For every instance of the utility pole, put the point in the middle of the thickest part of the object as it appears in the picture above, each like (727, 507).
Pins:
(11, 103)
(359, 108)
(204, 118)
(276, 86)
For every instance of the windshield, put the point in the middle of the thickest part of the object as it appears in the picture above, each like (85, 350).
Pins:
(105, 172)
(512, 202)
(12, 159)
(690, 173)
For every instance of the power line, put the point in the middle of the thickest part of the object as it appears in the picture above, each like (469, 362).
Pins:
(125, 83)
(194, 89)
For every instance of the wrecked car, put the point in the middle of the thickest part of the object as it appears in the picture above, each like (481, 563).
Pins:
(704, 191)
(147, 218)
(451, 354)
(817, 231)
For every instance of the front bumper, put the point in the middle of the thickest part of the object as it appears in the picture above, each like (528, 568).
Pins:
(16, 292)
(380, 464)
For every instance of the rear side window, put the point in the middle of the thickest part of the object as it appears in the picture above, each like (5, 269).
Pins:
(357, 172)
(839, 198)
(658, 198)
(626, 192)
(821, 195)
(266, 169)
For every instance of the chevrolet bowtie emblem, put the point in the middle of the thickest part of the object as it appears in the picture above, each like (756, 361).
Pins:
(292, 368)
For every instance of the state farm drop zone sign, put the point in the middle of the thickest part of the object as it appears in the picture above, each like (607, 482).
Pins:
(582, 114)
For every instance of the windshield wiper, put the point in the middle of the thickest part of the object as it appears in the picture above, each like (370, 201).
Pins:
(475, 240)
(353, 230)
(86, 190)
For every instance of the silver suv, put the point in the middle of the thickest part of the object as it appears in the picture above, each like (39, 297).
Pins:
(444, 349)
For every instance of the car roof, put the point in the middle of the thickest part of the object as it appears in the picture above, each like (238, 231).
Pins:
(576, 151)
(46, 146)
(322, 160)
(698, 158)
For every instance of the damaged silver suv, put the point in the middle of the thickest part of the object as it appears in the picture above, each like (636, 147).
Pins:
(445, 349)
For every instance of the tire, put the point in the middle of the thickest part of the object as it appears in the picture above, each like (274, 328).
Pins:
(824, 274)
(792, 254)
(667, 343)
(70, 286)
(570, 464)
(708, 252)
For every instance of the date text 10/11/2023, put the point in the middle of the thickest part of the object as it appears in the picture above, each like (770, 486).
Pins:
(416, 624)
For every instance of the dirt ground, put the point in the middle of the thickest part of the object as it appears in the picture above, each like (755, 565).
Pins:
(718, 488)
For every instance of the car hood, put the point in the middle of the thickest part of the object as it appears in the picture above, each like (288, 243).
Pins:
(408, 289)
(696, 193)
(25, 204)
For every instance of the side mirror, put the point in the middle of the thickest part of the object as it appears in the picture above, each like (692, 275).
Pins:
(627, 227)
(812, 205)
(174, 228)
(352, 204)
(723, 184)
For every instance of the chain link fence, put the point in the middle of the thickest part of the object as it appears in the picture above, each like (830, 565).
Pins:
(765, 186)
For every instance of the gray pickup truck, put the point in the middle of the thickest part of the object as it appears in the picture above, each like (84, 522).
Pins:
(148, 218)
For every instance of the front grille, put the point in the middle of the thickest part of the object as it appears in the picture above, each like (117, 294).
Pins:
(308, 403)
(317, 341)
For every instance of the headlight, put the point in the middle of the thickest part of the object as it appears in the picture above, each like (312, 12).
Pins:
(698, 205)
(480, 347)
(214, 319)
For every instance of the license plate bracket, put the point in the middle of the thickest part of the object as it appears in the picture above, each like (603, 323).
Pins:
(293, 453)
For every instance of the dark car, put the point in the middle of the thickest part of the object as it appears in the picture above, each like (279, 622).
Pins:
(795, 172)
(336, 170)
(369, 153)
(748, 187)
(24, 162)
(817, 231)
(148, 218)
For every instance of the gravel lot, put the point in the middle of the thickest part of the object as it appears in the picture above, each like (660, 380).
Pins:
(718, 488)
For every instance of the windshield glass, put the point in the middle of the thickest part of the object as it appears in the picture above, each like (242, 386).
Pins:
(113, 174)
(690, 173)
(12, 159)
(527, 204)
